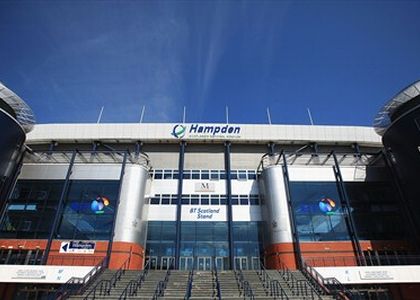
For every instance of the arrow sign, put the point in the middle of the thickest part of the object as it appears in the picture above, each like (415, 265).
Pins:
(64, 247)
(84, 247)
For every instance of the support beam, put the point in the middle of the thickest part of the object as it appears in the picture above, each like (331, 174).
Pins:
(271, 148)
(179, 204)
(117, 204)
(345, 205)
(295, 235)
(59, 211)
(229, 204)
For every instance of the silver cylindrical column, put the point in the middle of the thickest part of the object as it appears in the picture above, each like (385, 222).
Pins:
(275, 208)
(131, 221)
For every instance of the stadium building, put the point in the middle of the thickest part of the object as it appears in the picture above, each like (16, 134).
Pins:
(331, 201)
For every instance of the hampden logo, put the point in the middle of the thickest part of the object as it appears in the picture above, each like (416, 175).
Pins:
(179, 131)
(198, 130)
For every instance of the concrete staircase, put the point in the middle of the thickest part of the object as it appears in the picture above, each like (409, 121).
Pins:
(204, 285)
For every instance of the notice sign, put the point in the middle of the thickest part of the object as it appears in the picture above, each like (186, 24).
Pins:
(29, 274)
(79, 247)
(375, 275)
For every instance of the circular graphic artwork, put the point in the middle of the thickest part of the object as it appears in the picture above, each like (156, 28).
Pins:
(327, 205)
(98, 205)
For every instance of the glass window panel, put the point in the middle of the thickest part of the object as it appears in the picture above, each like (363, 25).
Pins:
(195, 174)
(155, 200)
(214, 199)
(223, 200)
(222, 174)
(233, 174)
(165, 199)
(242, 175)
(254, 200)
(205, 174)
(174, 199)
(244, 199)
(167, 174)
(252, 175)
(158, 174)
(235, 199)
(205, 199)
(185, 199)
(318, 213)
(214, 174)
(194, 200)
(187, 174)
(175, 174)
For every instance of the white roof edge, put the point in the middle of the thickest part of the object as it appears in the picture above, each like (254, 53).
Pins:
(158, 132)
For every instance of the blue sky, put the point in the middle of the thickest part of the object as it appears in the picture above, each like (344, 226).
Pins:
(343, 59)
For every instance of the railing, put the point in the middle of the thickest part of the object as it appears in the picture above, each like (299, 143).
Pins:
(298, 287)
(330, 286)
(104, 286)
(248, 293)
(134, 285)
(74, 260)
(189, 285)
(368, 260)
(243, 285)
(264, 277)
(276, 291)
(76, 285)
(219, 293)
(274, 286)
(161, 286)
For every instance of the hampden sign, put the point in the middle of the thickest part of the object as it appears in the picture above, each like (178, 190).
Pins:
(180, 131)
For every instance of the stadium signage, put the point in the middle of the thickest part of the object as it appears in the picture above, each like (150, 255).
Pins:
(206, 131)
(203, 213)
(77, 247)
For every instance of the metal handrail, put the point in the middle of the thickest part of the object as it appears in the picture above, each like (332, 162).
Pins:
(105, 285)
(161, 286)
(77, 285)
(276, 290)
(298, 287)
(248, 291)
(331, 285)
(264, 277)
(134, 285)
(189, 285)
(219, 293)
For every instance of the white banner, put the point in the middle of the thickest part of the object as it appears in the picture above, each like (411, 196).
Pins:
(203, 213)
(41, 274)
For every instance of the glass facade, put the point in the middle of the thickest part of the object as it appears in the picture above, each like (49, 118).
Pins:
(201, 242)
(89, 210)
(318, 213)
(87, 215)
(32, 208)
(375, 210)
(373, 205)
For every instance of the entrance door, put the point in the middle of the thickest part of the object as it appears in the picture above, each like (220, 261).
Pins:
(153, 262)
(256, 265)
(220, 263)
(166, 262)
(204, 263)
(186, 262)
(241, 262)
